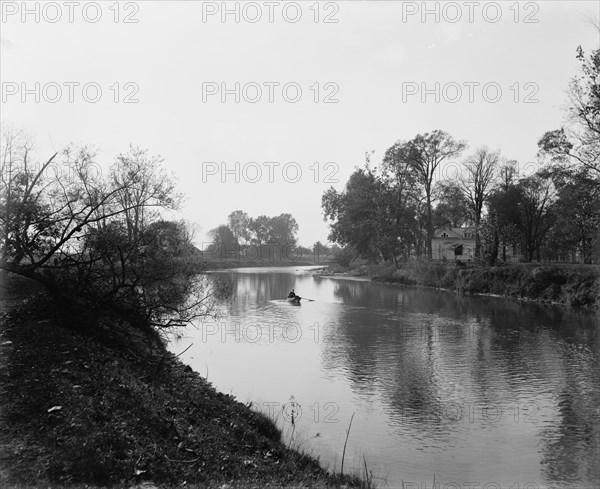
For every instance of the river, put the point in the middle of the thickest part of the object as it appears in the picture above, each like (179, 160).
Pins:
(468, 390)
(478, 392)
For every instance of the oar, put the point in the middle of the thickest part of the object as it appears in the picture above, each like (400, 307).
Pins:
(307, 299)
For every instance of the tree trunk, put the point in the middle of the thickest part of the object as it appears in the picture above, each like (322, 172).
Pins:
(494, 251)
(478, 239)
(429, 228)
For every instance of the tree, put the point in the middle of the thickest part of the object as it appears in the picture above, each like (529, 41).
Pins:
(239, 223)
(363, 215)
(536, 216)
(577, 211)
(452, 207)
(260, 230)
(476, 183)
(91, 241)
(271, 236)
(507, 173)
(321, 252)
(403, 180)
(425, 153)
(143, 186)
(578, 142)
(283, 230)
(503, 219)
(222, 240)
(490, 239)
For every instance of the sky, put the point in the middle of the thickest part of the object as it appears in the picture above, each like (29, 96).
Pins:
(262, 106)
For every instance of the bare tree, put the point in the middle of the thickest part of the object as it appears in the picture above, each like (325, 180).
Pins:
(507, 173)
(476, 183)
(535, 204)
(143, 186)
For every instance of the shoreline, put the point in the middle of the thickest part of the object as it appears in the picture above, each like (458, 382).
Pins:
(365, 273)
(112, 407)
(578, 287)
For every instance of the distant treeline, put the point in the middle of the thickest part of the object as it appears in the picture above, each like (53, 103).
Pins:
(262, 239)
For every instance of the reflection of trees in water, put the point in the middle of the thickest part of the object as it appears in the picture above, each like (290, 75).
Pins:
(571, 450)
(219, 289)
(419, 349)
(378, 352)
(255, 289)
(352, 339)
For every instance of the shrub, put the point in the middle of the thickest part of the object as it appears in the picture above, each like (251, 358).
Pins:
(344, 256)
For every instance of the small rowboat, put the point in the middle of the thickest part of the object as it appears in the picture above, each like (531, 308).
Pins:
(294, 300)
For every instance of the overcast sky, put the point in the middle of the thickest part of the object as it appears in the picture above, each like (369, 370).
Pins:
(371, 65)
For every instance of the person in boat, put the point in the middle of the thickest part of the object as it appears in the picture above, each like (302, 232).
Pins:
(292, 295)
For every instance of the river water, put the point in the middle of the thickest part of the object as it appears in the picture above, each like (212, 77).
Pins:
(479, 391)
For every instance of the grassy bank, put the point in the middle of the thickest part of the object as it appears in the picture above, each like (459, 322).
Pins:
(112, 407)
(572, 285)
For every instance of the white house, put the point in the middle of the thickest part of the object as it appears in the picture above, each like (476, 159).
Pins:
(453, 244)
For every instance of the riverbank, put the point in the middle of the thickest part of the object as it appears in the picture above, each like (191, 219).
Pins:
(112, 407)
(568, 285)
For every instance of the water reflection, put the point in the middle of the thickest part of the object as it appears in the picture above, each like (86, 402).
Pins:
(468, 389)
(451, 370)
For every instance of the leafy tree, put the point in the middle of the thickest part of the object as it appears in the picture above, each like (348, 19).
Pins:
(321, 252)
(490, 238)
(283, 230)
(260, 230)
(577, 211)
(503, 220)
(404, 183)
(222, 240)
(344, 256)
(239, 223)
(507, 174)
(319, 247)
(574, 154)
(273, 237)
(452, 207)
(363, 215)
(519, 212)
(578, 143)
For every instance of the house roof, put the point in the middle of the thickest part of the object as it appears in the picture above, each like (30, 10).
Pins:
(194, 250)
(453, 232)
